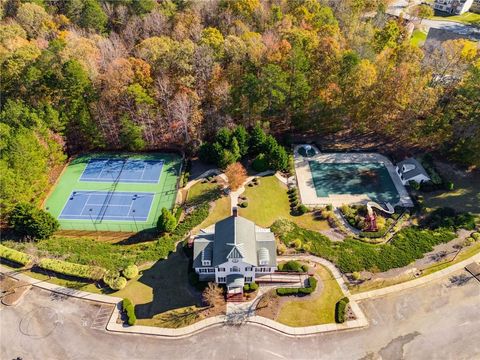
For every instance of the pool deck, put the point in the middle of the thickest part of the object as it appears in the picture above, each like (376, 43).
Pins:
(306, 187)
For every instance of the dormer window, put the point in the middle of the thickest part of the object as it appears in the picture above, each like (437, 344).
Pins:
(206, 263)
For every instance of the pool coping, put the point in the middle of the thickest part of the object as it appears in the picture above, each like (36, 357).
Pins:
(305, 182)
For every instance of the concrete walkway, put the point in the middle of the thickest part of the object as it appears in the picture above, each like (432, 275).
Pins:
(17, 274)
(416, 282)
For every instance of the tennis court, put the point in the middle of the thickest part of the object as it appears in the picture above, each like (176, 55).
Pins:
(123, 170)
(115, 191)
(101, 205)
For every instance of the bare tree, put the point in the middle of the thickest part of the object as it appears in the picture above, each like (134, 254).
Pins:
(212, 295)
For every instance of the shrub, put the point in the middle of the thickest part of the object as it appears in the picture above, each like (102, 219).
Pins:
(476, 236)
(27, 220)
(253, 286)
(178, 213)
(71, 269)
(340, 310)
(129, 309)
(291, 265)
(243, 204)
(450, 186)
(329, 207)
(246, 287)
(448, 218)
(118, 284)
(14, 255)
(130, 271)
(304, 268)
(312, 285)
(302, 209)
(166, 221)
(414, 185)
(260, 163)
(293, 203)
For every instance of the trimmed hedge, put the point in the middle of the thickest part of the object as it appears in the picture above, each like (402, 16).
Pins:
(71, 269)
(341, 310)
(130, 271)
(292, 265)
(250, 287)
(312, 285)
(129, 308)
(14, 255)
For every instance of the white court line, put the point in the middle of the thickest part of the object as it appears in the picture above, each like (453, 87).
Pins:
(143, 172)
(85, 204)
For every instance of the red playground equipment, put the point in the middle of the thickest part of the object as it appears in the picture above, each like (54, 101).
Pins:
(371, 221)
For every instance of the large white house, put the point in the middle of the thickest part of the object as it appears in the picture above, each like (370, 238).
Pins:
(233, 252)
(453, 6)
(411, 170)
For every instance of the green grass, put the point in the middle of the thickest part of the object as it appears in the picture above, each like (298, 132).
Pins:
(468, 18)
(418, 38)
(165, 192)
(464, 198)
(268, 202)
(320, 309)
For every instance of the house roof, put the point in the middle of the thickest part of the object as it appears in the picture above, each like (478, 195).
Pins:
(413, 169)
(235, 238)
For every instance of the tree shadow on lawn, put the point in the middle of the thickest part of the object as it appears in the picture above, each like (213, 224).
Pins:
(169, 282)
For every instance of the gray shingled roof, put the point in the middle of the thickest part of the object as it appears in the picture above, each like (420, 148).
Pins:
(417, 170)
(235, 237)
(203, 246)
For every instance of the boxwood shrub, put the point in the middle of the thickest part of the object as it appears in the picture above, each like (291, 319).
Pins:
(129, 309)
(14, 255)
(71, 269)
(340, 310)
(312, 285)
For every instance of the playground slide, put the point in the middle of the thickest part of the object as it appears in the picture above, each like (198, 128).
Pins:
(373, 204)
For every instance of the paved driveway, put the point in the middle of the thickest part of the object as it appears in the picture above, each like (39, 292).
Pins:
(438, 321)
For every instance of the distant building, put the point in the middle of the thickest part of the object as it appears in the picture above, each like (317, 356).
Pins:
(233, 252)
(411, 170)
(475, 6)
(455, 7)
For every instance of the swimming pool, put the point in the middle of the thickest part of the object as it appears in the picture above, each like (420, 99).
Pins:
(369, 178)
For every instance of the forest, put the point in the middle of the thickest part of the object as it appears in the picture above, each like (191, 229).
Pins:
(139, 75)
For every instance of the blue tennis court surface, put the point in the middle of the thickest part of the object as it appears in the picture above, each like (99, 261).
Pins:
(103, 205)
(121, 170)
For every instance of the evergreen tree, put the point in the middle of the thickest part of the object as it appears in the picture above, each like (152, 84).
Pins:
(131, 134)
(257, 140)
(241, 134)
(166, 221)
(27, 220)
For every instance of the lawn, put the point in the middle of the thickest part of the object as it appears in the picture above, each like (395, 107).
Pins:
(219, 210)
(464, 197)
(418, 38)
(268, 201)
(318, 310)
(468, 18)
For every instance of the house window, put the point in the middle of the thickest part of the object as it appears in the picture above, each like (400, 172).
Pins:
(235, 269)
(221, 279)
(221, 269)
(262, 269)
(206, 262)
(203, 270)
(235, 260)
(248, 279)
(249, 268)
(211, 270)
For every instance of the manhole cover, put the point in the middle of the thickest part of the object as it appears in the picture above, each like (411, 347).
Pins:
(40, 323)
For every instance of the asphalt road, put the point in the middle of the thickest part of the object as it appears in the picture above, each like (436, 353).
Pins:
(437, 321)
(397, 7)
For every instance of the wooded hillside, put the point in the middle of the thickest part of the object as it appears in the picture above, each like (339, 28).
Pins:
(140, 74)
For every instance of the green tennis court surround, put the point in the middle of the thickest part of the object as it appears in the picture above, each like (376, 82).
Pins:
(115, 192)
